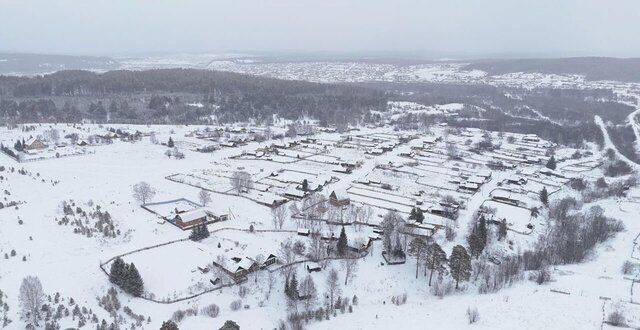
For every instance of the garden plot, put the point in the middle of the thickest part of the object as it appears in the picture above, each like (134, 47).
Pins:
(171, 271)
(379, 195)
(380, 204)
(213, 183)
(517, 217)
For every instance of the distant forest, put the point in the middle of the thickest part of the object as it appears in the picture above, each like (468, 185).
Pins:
(178, 96)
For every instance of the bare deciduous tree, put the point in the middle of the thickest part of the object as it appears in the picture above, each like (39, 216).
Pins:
(143, 192)
(241, 181)
(31, 298)
(205, 197)
(308, 292)
(280, 215)
(333, 287)
(350, 267)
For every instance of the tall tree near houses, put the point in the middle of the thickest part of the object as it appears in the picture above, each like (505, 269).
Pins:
(342, 244)
(305, 185)
(418, 248)
(551, 163)
(544, 196)
(333, 287)
(294, 294)
(460, 264)
(435, 258)
(502, 229)
(205, 197)
(308, 292)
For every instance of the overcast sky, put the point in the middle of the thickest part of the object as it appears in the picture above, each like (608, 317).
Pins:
(477, 27)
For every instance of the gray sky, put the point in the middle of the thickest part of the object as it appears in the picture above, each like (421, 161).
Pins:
(552, 27)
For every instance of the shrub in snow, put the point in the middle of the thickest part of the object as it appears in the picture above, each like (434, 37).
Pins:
(178, 316)
(540, 276)
(211, 311)
(442, 287)
(617, 319)
(628, 267)
(472, 315)
(236, 305)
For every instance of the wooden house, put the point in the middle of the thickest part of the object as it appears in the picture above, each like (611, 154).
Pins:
(339, 197)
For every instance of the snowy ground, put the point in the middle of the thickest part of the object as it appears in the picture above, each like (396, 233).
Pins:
(69, 263)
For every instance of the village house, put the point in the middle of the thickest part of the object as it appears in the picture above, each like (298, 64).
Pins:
(35, 143)
(518, 180)
(339, 197)
(504, 196)
(313, 267)
(191, 218)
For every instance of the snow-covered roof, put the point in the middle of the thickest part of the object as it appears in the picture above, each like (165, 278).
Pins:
(245, 263)
(341, 194)
(194, 214)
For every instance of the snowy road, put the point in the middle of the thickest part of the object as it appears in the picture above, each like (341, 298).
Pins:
(609, 144)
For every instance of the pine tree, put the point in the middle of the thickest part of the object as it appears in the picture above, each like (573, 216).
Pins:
(460, 264)
(418, 248)
(342, 243)
(170, 143)
(305, 185)
(551, 163)
(436, 257)
(544, 196)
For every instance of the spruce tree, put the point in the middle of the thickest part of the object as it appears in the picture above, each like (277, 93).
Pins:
(170, 143)
(293, 287)
(551, 163)
(419, 215)
(116, 274)
(544, 196)
(342, 243)
(134, 281)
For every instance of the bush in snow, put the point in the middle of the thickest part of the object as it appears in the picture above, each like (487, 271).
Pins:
(472, 315)
(236, 305)
(617, 319)
(211, 311)
(628, 267)
(442, 287)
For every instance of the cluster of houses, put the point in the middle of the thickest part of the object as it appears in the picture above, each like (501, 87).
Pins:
(473, 183)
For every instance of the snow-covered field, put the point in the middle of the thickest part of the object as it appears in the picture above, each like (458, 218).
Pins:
(416, 171)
